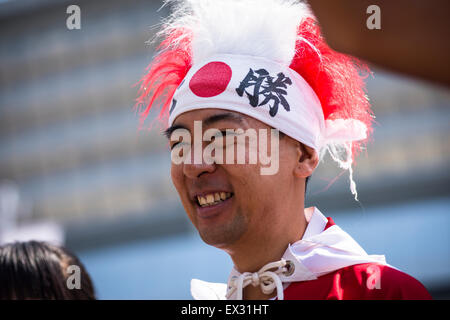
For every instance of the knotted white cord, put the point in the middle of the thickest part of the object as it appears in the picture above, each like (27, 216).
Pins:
(266, 279)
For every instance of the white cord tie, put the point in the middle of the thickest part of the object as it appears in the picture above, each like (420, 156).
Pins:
(266, 279)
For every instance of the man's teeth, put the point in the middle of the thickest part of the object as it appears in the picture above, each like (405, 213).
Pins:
(213, 198)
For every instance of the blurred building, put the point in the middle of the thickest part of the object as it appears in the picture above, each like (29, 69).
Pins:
(70, 146)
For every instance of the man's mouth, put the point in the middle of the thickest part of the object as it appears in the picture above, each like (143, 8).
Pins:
(212, 199)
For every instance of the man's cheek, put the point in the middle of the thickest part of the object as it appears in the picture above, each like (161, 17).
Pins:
(176, 174)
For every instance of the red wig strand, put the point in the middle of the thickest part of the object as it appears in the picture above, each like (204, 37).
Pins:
(334, 77)
(164, 75)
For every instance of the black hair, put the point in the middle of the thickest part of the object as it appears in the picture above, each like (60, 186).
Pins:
(38, 270)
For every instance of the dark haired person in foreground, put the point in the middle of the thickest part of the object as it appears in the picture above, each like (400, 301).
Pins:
(36, 270)
(239, 67)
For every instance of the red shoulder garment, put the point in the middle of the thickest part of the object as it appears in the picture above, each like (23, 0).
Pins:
(366, 281)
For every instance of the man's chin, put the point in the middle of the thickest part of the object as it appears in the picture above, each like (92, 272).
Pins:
(223, 236)
(219, 240)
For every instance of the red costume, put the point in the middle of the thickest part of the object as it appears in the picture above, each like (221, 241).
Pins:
(350, 283)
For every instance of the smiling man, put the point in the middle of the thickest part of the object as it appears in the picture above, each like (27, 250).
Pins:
(242, 82)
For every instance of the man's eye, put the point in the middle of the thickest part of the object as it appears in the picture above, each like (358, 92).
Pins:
(222, 134)
(227, 133)
(219, 133)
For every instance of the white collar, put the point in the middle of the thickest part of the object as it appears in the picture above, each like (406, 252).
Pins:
(316, 224)
(318, 252)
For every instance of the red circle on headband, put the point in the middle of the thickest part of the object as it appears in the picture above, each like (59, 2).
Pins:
(210, 80)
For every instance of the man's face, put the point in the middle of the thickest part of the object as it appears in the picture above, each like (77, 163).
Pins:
(248, 203)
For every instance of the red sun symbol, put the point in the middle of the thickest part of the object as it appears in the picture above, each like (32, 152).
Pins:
(211, 80)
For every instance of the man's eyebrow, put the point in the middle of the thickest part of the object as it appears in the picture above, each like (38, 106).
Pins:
(168, 132)
(222, 116)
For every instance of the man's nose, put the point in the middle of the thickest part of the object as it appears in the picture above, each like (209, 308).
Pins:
(197, 166)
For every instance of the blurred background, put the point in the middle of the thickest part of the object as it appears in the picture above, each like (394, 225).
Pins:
(75, 170)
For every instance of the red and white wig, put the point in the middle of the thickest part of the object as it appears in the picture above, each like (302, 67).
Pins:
(209, 46)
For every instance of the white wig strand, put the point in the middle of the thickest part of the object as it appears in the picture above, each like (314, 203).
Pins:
(219, 27)
(342, 154)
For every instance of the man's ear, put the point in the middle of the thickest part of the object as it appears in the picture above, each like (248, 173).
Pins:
(308, 159)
